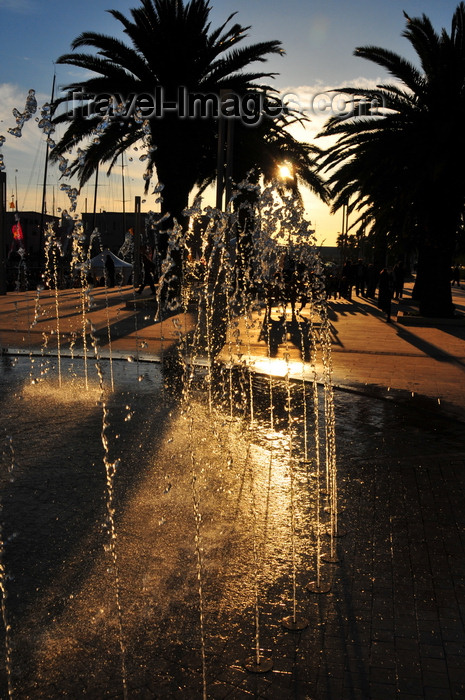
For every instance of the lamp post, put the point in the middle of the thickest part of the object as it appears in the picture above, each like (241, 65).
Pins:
(224, 160)
(137, 236)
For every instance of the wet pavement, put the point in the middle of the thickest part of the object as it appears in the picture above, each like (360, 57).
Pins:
(217, 518)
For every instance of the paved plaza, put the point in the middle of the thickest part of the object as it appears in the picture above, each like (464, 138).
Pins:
(392, 622)
(367, 353)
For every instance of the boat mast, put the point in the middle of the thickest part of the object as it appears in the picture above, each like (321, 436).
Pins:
(124, 196)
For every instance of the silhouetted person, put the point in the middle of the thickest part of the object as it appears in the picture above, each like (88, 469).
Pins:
(347, 279)
(385, 288)
(332, 285)
(360, 278)
(372, 281)
(109, 271)
(456, 276)
(149, 273)
(398, 279)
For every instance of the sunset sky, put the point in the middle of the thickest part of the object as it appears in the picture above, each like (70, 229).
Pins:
(318, 36)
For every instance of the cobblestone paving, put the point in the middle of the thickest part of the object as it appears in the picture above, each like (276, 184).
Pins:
(391, 626)
(392, 623)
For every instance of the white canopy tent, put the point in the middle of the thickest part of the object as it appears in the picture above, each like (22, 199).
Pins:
(123, 269)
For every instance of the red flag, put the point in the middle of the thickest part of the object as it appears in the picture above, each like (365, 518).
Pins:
(17, 231)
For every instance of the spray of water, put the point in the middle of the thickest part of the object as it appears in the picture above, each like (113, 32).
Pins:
(10, 458)
(244, 252)
(52, 248)
(79, 267)
(111, 467)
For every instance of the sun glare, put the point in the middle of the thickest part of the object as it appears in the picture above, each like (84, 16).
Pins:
(285, 172)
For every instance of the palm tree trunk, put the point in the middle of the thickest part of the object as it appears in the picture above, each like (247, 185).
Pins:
(432, 287)
(175, 199)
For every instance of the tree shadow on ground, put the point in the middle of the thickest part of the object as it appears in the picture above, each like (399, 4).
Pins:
(428, 348)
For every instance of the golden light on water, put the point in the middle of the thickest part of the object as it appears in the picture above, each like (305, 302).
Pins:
(275, 366)
(72, 390)
(272, 366)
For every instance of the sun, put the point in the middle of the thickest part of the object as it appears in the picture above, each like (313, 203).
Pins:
(285, 172)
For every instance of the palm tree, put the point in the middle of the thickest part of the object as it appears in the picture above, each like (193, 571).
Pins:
(397, 151)
(262, 149)
(171, 48)
(260, 152)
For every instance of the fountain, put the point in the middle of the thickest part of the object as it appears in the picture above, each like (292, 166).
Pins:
(161, 516)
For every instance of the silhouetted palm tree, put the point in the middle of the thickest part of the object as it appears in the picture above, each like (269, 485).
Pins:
(398, 151)
(171, 47)
(262, 149)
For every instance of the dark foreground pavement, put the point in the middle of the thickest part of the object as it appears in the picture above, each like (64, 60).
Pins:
(215, 520)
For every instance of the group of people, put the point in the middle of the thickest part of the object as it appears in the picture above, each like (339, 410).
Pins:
(365, 279)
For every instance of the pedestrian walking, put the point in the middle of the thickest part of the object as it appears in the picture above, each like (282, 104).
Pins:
(149, 268)
(109, 270)
(456, 276)
(360, 278)
(347, 280)
(399, 278)
(372, 281)
(385, 289)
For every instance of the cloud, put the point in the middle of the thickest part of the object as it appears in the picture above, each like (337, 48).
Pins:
(21, 7)
(319, 102)
(307, 96)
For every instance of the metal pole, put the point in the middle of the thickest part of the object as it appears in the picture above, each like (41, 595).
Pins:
(44, 187)
(347, 218)
(343, 234)
(220, 155)
(124, 197)
(229, 160)
(2, 233)
(94, 218)
(137, 270)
